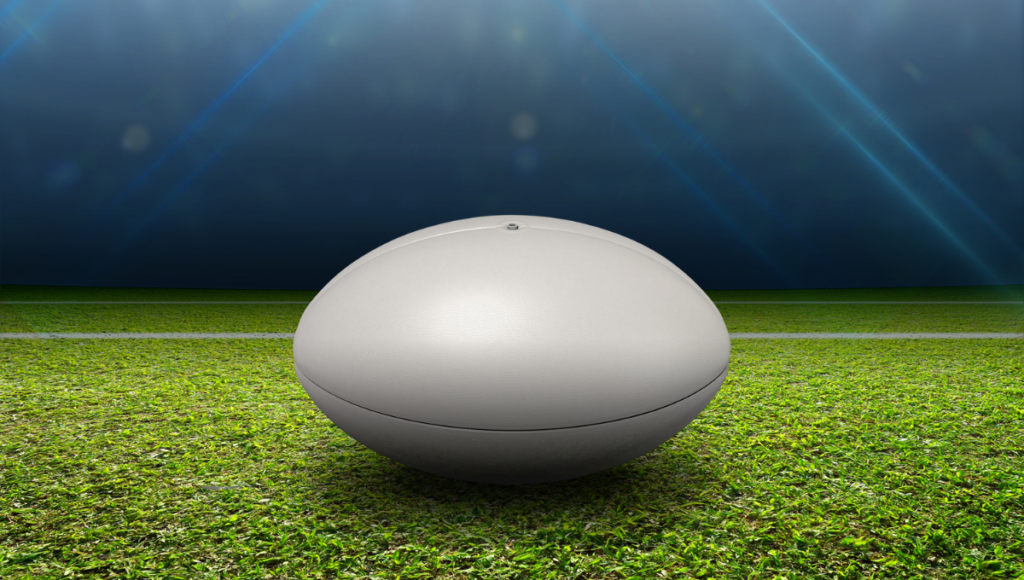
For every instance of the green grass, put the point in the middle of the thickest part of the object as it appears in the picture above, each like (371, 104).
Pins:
(150, 317)
(981, 293)
(18, 293)
(205, 459)
(15, 293)
(873, 317)
(285, 317)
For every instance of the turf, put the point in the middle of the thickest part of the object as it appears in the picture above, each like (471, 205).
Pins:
(284, 317)
(986, 293)
(150, 317)
(873, 317)
(957, 293)
(10, 292)
(205, 459)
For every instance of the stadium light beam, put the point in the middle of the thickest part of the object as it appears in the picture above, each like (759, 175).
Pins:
(698, 138)
(885, 122)
(202, 118)
(643, 138)
(902, 187)
(30, 31)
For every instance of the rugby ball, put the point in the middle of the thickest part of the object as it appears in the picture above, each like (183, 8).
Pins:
(511, 349)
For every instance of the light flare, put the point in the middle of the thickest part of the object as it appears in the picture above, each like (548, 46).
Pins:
(880, 118)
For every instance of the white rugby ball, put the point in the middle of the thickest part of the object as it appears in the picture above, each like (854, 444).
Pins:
(511, 349)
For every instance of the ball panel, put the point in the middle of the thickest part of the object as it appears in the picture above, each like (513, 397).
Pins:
(511, 457)
(500, 221)
(491, 328)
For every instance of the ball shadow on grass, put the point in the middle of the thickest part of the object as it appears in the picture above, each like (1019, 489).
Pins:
(668, 482)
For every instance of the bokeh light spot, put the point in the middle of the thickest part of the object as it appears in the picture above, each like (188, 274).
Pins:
(135, 139)
(914, 72)
(523, 126)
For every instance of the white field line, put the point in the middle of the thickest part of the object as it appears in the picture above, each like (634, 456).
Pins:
(867, 302)
(874, 335)
(307, 302)
(151, 302)
(147, 335)
(734, 336)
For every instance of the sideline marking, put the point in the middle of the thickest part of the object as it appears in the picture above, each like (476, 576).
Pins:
(291, 335)
(308, 301)
(152, 302)
(875, 335)
(143, 335)
(868, 302)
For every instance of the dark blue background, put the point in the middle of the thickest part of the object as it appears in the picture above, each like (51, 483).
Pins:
(286, 138)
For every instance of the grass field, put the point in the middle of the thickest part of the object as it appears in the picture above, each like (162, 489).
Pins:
(142, 458)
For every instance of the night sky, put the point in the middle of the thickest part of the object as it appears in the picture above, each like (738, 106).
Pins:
(269, 143)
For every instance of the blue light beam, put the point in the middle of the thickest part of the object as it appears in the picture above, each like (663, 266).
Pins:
(202, 118)
(876, 111)
(698, 138)
(143, 224)
(10, 6)
(643, 138)
(902, 187)
(30, 31)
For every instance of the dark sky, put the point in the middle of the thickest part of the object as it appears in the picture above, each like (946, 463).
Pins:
(268, 143)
